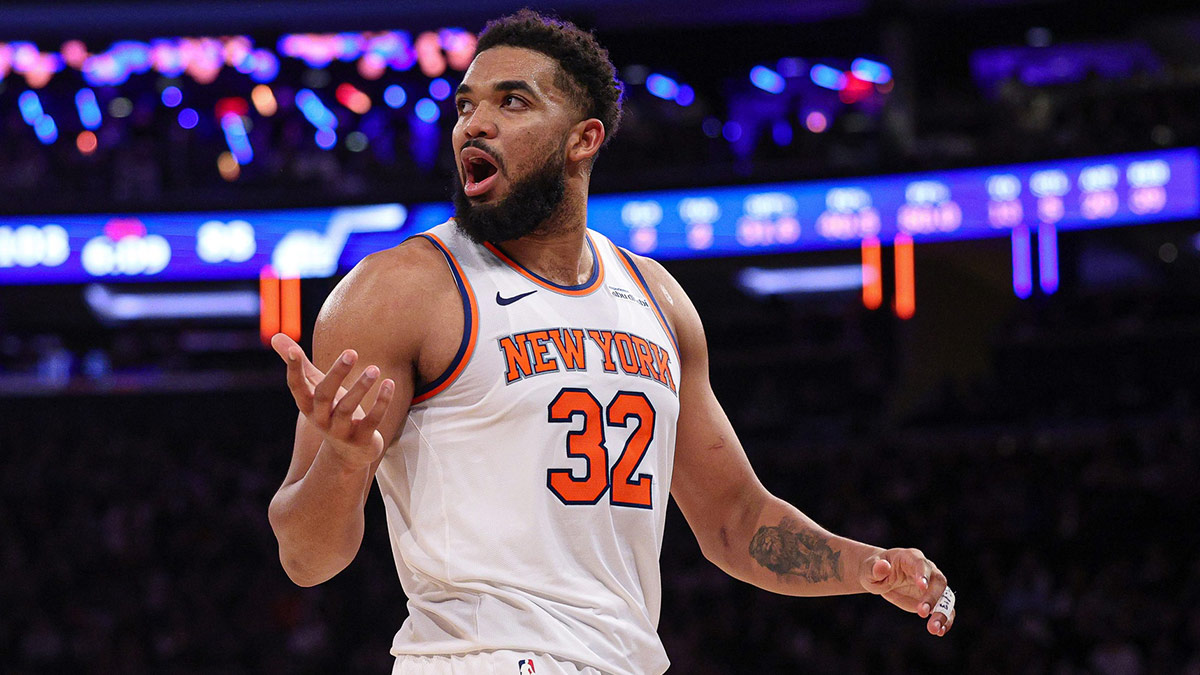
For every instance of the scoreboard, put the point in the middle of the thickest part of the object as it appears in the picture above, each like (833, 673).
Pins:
(973, 203)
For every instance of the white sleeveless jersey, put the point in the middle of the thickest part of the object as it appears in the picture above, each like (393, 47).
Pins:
(527, 495)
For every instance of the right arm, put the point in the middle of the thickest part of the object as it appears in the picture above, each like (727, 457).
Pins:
(353, 399)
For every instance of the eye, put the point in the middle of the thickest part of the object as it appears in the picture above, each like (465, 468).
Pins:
(464, 106)
(512, 100)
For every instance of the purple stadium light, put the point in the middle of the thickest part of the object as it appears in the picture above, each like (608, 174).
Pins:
(1022, 262)
(1048, 258)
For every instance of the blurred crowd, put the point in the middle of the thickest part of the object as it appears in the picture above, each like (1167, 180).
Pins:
(936, 116)
(1060, 505)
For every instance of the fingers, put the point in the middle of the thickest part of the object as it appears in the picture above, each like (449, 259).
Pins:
(934, 589)
(905, 569)
(343, 411)
(909, 580)
(282, 344)
(367, 425)
(949, 622)
(913, 563)
(939, 624)
(933, 586)
(300, 385)
(327, 389)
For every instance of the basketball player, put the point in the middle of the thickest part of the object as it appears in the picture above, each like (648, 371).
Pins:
(528, 395)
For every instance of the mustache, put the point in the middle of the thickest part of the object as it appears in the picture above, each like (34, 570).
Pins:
(478, 143)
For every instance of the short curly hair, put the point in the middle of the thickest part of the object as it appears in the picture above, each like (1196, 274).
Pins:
(586, 73)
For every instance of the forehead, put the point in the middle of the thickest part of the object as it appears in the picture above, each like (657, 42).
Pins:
(500, 64)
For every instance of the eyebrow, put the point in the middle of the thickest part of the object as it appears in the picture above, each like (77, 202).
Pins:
(503, 85)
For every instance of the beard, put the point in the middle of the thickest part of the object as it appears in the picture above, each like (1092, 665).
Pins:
(531, 201)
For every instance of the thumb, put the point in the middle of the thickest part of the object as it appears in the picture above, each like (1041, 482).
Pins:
(880, 570)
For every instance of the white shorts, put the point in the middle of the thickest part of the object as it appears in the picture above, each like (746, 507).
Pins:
(500, 662)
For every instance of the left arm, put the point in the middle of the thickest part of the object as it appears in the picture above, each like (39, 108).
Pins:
(744, 529)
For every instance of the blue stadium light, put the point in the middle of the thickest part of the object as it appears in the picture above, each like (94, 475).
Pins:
(827, 77)
(871, 71)
(31, 107)
(315, 111)
(662, 86)
(266, 66)
(123, 306)
(167, 58)
(46, 129)
(395, 96)
(133, 55)
(235, 137)
(188, 118)
(439, 89)
(766, 79)
(248, 63)
(351, 46)
(732, 131)
(103, 69)
(326, 138)
(171, 96)
(793, 280)
(427, 111)
(89, 109)
(686, 95)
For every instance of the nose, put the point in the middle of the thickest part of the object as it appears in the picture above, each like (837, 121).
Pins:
(480, 123)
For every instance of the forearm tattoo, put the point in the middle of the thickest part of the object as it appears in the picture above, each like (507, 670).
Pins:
(787, 549)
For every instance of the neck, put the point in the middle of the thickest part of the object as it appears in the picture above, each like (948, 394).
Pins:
(558, 250)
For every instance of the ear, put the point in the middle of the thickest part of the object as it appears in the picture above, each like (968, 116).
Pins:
(585, 140)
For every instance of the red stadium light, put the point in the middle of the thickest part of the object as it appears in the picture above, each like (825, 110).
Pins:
(279, 302)
(872, 273)
(856, 89)
(352, 98)
(289, 307)
(906, 287)
(268, 293)
(232, 104)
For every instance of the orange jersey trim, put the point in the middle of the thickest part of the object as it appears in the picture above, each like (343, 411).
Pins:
(585, 288)
(470, 327)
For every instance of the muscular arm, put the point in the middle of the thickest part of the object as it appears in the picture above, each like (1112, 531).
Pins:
(741, 527)
(317, 514)
(747, 531)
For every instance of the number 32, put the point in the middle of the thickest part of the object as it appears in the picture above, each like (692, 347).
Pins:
(587, 443)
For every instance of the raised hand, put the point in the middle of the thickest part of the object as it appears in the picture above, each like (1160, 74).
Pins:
(326, 402)
(910, 581)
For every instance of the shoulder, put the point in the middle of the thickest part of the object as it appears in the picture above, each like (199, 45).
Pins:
(370, 308)
(674, 302)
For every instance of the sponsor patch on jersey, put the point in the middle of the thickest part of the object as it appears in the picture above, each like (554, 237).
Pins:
(525, 667)
(623, 294)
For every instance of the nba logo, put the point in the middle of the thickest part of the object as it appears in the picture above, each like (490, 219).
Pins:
(525, 667)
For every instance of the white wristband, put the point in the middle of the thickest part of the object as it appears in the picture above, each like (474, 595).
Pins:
(946, 604)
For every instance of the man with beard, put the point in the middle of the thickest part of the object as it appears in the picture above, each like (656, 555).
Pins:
(528, 396)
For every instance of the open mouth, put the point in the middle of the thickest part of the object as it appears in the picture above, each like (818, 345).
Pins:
(479, 170)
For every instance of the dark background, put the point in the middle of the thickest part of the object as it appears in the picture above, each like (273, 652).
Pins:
(1043, 452)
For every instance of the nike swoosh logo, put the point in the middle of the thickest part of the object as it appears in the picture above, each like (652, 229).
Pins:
(502, 301)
